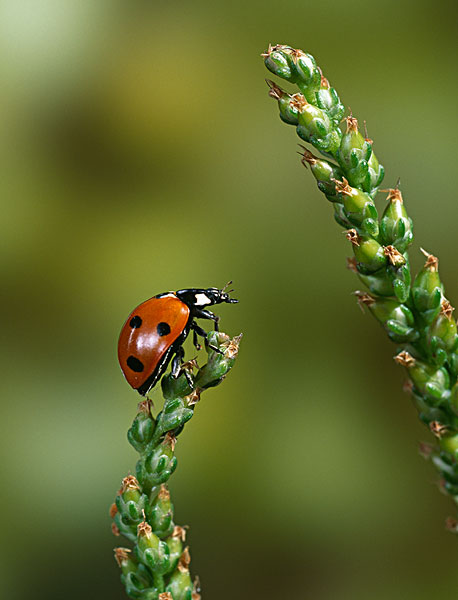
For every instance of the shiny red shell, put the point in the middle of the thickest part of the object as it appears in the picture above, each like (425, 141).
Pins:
(147, 335)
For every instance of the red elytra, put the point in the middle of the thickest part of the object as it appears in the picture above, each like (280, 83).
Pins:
(147, 337)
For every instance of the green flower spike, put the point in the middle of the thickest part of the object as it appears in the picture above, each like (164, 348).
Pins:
(157, 567)
(416, 316)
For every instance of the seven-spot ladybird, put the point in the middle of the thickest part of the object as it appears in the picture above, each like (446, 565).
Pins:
(155, 331)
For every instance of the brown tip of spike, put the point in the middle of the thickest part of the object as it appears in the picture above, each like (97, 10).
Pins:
(122, 555)
(364, 299)
(351, 264)
(451, 524)
(185, 559)
(446, 309)
(307, 156)
(343, 186)
(352, 124)
(394, 195)
(405, 359)
(129, 483)
(438, 429)
(298, 102)
(275, 90)
(394, 256)
(353, 237)
(432, 262)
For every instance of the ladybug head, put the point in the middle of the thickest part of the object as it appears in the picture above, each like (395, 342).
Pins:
(218, 296)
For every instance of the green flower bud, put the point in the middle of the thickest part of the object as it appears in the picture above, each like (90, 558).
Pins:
(286, 104)
(369, 254)
(160, 514)
(448, 468)
(396, 318)
(398, 272)
(181, 586)
(175, 544)
(309, 77)
(428, 414)
(341, 216)
(135, 577)
(354, 153)
(378, 283)
(453, 364)
(328, 100)
(156, 467)
(325, 173)
(174, 415)
(315, 127)
(359, 208)
(427, 290)
(454, 399)
(130, 502)
(150, 550)
(396, 227)
(431, 382)
(295, 66)
(375, 174)
(279, 60)
(141, 432)
(442, 337)
(449, 444)
(125, 560)
(218, 365)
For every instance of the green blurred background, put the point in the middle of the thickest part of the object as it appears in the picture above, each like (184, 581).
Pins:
(141, 153)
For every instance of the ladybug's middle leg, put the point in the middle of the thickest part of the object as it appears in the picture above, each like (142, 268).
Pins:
(195, 340)
(199, 331)
(177, 361)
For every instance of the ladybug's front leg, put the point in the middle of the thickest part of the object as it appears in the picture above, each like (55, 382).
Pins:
(199, 331)
(201, 313)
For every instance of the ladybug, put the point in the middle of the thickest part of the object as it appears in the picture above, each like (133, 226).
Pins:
(155, 331)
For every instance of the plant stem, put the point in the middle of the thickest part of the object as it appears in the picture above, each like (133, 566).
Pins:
(415, 315)
(157, 568)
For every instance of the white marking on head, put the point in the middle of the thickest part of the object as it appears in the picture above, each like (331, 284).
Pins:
(202, 299)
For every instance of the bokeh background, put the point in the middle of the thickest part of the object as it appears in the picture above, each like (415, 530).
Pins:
(140, 153)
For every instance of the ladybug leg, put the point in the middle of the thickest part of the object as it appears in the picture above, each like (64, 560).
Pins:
(189, 379)
(201, 313)
(199, 331)
(176, 363)
(195, 340)
(177, 367)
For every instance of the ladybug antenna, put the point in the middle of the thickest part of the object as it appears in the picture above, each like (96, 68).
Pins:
(225, 294)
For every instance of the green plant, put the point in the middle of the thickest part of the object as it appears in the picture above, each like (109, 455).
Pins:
(415, 315)
(158, 566)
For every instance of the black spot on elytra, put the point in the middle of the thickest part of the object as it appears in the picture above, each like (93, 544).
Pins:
(163, 329)
(135, 322)
(135, 364)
